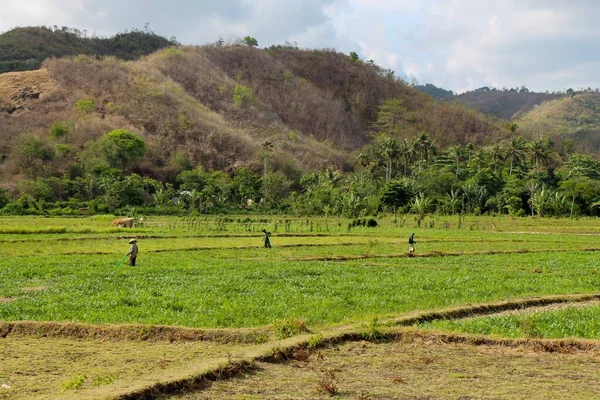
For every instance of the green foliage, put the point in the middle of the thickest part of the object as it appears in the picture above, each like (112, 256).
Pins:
(122, 148)
(195, 179)
(434, 91)
(275, 188)
(395, 194)
(25, 48)
(289, 327)
(31, 154)
(86, 106)
(74, 383)
(58, 130)
(354, 58)
(4, 199)
(250, 41)
(242, 95)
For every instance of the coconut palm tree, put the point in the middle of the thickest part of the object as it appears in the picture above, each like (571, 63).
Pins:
(267, 148)
(539, 152)
(389, 150)
(515, 151)
(458, 154)
(408, 150)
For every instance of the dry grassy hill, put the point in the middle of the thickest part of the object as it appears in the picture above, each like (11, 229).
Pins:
(574, 117)
(215, 106)
(506, 104)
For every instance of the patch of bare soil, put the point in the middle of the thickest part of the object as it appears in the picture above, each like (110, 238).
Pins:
(6, 299)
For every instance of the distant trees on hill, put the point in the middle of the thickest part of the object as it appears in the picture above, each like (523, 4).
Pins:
(24, 49)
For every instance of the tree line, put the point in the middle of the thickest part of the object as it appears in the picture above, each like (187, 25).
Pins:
(396, 172)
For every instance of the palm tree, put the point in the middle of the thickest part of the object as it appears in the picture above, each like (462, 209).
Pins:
(363, 161)
(479, 159)
(458, 154)
(515, 150)
(389, 150)
(425, 146)
(407, 150)
(267, 148)
(496, 155)
(539, 152)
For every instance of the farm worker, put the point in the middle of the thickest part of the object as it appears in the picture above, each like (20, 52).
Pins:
(133, 251)
(411, 243)
(266, 239)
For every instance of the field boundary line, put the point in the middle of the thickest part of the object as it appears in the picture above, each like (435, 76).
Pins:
(482, 309)
(140, 333)
(432, 254)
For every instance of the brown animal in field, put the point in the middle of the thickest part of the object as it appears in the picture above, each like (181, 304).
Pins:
(123, 222)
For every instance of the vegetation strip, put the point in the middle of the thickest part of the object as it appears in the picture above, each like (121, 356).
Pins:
(132, 332)
(490, 308)
(438, 254)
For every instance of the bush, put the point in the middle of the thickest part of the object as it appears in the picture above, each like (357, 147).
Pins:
(58, 130)
(85, 106)
(121, 148)
(371, 223)
(242, 95)
(3, 197)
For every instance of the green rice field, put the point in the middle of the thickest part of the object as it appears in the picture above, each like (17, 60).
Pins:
(213, 272)
(110, 330)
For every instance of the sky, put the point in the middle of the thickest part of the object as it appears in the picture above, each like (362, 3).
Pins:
(458, 45)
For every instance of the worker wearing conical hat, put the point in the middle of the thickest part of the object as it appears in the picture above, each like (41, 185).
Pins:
(133, 251)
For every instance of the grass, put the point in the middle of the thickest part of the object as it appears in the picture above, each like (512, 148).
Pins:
(212, 272)
(417, 370)
(190, 289)
(581, 323)
(77, 369)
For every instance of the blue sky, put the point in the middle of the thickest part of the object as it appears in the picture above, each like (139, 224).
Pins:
(455, 44)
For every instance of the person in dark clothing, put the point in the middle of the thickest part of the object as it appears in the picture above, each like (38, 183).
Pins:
(133, 251)
(411, 243)
(266, 238)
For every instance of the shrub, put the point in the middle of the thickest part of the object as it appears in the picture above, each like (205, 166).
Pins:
(242, 95)
(58, 130)
(122, 148)
(86, 106)
(371, 223)
(289, 327)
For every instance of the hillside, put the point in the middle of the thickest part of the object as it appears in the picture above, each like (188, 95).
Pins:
(575, 117)
(214, 106)
(505, 104)
(435, 92)
(24, 49)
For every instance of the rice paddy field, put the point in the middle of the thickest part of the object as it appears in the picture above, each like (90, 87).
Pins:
(208, 312)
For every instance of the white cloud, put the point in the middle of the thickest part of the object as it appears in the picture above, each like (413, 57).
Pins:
(456, 44)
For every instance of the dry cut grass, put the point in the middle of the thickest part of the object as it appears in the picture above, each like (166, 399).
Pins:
(59, 368)
(422, 368)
